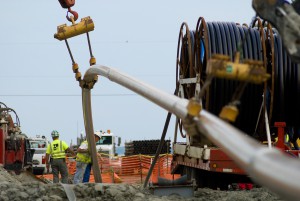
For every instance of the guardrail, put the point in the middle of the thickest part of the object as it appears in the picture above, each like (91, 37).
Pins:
(268, 167)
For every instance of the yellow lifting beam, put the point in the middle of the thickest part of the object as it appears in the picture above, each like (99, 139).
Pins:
(250, 71)
(65, 32)
(84, 26)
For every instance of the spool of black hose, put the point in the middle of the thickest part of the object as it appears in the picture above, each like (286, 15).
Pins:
(283, 101)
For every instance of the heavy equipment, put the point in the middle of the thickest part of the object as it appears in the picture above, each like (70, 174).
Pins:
(284, 16)
(240, 73)
(16, 154)
(244, 75)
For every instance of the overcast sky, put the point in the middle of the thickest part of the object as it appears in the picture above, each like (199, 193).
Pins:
(134, 36)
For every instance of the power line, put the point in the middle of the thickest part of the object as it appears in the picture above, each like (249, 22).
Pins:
(72, 77)
(60, 95)
(95, 42)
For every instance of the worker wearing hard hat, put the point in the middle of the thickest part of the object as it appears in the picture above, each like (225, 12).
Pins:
(83, 158)
(57, 149)
(88, 169)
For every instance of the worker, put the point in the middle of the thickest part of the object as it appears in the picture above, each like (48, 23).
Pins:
(57, 149)
(88, 169)
(83, 158)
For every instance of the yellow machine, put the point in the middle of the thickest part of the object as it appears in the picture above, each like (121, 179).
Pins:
(64, 32)
(251, 71)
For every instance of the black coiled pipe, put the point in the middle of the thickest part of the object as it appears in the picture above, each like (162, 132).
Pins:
(255, 42)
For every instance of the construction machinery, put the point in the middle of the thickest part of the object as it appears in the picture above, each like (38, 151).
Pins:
(240, 73)
(244, 75)
(16, 154)
(284, 16)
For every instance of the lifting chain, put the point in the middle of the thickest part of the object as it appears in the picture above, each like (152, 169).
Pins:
(64, 32)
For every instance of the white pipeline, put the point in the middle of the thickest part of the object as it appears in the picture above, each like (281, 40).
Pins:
(167, 101)
(89, 130)
(268, 167)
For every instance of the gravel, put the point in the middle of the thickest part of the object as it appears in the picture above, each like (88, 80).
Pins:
(24, 187)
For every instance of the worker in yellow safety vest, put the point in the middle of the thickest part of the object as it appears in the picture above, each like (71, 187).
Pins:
(83, 158)
(57, 149)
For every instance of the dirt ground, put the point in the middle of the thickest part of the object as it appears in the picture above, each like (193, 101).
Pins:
(25, 187)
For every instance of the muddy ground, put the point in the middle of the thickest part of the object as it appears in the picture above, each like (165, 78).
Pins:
(24, 187)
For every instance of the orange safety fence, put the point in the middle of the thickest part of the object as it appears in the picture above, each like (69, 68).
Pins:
(128, 169)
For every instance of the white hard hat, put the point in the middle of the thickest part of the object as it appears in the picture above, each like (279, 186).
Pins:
(55, 133)
(97, 134)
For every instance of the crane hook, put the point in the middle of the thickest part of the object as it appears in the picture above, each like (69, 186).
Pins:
(74, 13)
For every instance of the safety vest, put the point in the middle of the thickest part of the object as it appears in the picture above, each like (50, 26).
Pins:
(56, 150)
(287, 138)
(84, 157)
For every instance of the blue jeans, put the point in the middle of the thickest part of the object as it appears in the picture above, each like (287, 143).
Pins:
(87, 173)
(80, 169)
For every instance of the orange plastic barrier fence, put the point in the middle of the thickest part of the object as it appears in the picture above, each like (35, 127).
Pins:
(128, 169)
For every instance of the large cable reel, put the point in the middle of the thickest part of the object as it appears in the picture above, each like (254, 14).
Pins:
(278, 96)
(184, 69)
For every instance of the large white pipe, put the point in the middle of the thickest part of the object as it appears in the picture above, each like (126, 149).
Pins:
(89, 130)
(268, 167)
(169, 102)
